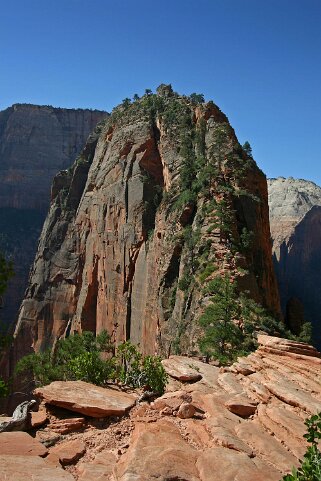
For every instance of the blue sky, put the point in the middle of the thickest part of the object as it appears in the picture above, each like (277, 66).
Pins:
(259, 60)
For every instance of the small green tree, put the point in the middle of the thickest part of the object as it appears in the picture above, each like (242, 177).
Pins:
(197, 98)
(148, 92)
(126, 103)
(247, 149)
(222, 337)
(135, 97)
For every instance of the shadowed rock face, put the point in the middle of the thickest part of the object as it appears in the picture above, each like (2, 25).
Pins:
(112, 250)
(295, 217)
(35, 143)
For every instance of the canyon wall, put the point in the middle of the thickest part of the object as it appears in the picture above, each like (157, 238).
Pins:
(36, 142)
(295, 217)
(161, 191)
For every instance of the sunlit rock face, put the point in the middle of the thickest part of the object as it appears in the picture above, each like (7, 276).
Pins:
(35, 143)
(295, 219)
(114, 246)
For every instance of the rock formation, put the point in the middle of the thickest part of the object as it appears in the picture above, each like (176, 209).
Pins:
(35, 143)
(243, 423)
(295, 218)
(160, 192)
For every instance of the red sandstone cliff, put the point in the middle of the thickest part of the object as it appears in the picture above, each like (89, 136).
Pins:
(115, 244)
(35, 143)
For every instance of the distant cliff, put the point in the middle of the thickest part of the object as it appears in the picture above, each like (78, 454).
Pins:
(35, 143)
(161, 198)
(295, 218)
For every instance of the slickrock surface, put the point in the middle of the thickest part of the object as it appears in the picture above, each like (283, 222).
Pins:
(30, 468)
(85, 398)
(280, 381)
(113, 249)
(295, 219)
(36, 142)
(21, 443)
(176, 367)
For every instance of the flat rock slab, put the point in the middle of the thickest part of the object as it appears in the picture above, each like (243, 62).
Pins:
(30, 468)
(229, 465)
(64, 426)
(181, 368)
(20, 443)
(69, 452)
(85, 398)
(38, 418)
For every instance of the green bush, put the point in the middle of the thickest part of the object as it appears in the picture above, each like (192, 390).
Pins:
(79, 357)
(4, 390)
(209, 269)
(138, 371)
(90, 367)
(310, 469)
(184, 283)
(154, 375)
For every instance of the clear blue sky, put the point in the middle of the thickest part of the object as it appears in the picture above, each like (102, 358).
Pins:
(259, 60)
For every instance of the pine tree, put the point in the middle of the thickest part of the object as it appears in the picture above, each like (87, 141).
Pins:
(222, 337)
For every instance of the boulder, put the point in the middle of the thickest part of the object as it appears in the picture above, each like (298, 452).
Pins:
(69, 452)
(186, 411)
(241, 406)
(181, 368)
(85, 398)
(38, 419)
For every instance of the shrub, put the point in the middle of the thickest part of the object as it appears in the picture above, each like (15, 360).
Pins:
(80, 358)
(73, 358)
(138, 371)
(209, 269)
(184, 282)
(154, 375)
(4, 390)
(310, 469)
(90, 367)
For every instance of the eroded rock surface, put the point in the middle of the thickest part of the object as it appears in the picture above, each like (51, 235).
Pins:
(295, 218)
(152, 441)
(114, 248)
(36, 142)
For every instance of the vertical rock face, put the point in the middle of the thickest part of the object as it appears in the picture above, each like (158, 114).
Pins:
(126, 241)
(35, 143)
(295, 216)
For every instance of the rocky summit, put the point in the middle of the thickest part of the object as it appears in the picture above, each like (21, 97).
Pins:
(295, 219)
(161, 199)
(239, 423)
(36, 142)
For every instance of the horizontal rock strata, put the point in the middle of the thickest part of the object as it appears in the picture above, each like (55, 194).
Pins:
(219, 437)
